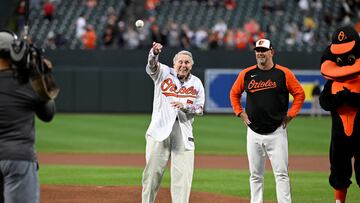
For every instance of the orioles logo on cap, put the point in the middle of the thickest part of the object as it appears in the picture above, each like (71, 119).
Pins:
(261, 42)
(342, 36)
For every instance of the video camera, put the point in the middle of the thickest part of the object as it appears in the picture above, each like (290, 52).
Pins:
(28, 65)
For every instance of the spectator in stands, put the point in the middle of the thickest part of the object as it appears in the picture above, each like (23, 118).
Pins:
(279, 7)
(131, 38)
(91, 3)
(120, 34)
(80, 26)
(315, 104)
(309, 22)
(230, 4)
(220, 27)
(48, 10)
(20, 11)
(308, 37)
(173, 35)
(89, 38)
(328, 18)
(214, 39)
(241, 39)
(60, 40)
(268, 7)
(252, 27)
(293, 34)
(201, 39)
(50, 43)
(255, 37)
(316, 5)
(108, 38)
(304, 5)
(150, 5)
(185, 37)
(111, 17)
(274, 6)
(156, 34)
(229, 39)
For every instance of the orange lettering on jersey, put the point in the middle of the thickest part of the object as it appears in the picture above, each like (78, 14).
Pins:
(254, 86)
(169, 89)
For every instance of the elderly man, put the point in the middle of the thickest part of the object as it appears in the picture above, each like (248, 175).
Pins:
(178, 97)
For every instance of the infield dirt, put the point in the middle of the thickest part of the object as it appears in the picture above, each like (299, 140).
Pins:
(125, 194)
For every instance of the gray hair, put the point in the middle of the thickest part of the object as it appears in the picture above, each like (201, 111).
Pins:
(184, 52)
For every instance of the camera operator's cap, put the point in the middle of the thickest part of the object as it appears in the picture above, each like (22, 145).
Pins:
(6, 39)
(263, 44)
(344, 40)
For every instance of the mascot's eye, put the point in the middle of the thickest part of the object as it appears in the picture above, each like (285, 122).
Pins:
(351, 60)
(339, 61)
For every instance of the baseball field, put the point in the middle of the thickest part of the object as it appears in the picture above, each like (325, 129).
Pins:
(100, 158)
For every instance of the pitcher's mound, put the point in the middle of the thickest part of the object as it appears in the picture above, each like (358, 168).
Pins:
(120, 194)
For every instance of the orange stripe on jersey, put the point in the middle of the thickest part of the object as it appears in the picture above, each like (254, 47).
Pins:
(237, 89)
(177, 95)
(259, 89)
(295, 89)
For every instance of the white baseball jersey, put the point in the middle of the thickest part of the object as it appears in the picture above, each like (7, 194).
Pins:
(168, 88)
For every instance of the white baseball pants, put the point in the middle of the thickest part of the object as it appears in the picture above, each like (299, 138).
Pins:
(182, 167)
(275, 146)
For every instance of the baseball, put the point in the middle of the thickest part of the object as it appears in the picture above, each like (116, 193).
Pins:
(139, 23)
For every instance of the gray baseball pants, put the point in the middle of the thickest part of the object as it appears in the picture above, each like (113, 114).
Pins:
(19, 181)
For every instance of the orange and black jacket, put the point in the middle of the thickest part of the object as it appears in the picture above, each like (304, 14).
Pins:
(267, 97)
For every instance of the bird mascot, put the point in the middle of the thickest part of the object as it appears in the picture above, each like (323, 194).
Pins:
(340, 65)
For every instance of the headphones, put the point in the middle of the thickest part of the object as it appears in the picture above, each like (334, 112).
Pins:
(17, 49)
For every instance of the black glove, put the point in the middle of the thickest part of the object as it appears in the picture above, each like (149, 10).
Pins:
(343, 95)
(352, 98)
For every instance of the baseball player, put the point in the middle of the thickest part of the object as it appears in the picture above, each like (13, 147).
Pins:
(267, 86)
(178, 97)
(19, 104)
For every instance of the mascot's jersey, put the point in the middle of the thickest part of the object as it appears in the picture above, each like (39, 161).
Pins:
(347, 113)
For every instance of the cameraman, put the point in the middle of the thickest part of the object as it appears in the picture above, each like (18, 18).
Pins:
(18, 105)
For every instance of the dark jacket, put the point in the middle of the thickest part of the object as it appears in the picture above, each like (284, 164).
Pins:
(18, 106)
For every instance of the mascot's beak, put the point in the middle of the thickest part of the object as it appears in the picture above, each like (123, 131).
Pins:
(343, 48)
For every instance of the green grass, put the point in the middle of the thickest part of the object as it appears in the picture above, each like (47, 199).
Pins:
(124, 133)
(306, 187)
(214, 134)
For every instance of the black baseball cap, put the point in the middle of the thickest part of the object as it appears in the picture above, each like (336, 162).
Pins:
(344, 40)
